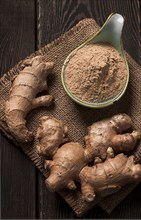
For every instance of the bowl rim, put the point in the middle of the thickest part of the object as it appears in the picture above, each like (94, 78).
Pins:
(91, 104)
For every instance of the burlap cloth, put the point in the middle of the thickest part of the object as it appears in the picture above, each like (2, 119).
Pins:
(76, 117)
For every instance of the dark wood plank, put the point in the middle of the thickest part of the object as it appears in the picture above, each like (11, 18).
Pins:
(18, 176)
(59, 16)
(54, 18)
(131, 32)
(51, 205)
(129, 208)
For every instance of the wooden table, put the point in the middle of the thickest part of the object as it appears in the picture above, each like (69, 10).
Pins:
(26, 26)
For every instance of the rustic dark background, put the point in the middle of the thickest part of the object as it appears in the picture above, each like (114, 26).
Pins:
(25, 26)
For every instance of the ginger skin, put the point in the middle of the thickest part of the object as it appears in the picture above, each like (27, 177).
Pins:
(68, 160)
(28, 83)
(65, 167)
(50, 134)
(106, 178)
(108, 133)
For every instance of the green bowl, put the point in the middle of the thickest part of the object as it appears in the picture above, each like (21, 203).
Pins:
(110, 33)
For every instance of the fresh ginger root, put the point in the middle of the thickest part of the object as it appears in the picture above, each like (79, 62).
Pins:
(50, 134)
(30, 81)
(108, 133)
(65, 167)
(106, 178)
(104, 139)
(66, 161)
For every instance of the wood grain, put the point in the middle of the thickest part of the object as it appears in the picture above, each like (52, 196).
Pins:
(18, 183)
(51, 205)
(26, 26)
(56, 17)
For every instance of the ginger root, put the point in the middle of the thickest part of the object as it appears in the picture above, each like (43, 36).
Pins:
(108, 133)
(66, 161)
(108, 177)
(65, 167)
(28, 83)
(50, 134)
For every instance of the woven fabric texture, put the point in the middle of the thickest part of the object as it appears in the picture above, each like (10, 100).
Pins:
(76, 117)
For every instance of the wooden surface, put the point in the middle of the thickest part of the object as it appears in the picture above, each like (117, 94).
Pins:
(25, 26)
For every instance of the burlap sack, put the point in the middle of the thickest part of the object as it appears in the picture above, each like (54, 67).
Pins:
(76, 117)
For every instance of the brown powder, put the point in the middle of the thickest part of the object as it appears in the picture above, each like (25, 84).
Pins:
(96, 73)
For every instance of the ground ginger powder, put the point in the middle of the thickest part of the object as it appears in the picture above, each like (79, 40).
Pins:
(96, 73)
